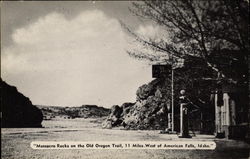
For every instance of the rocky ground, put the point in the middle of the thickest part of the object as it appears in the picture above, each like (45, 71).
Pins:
(16, 142)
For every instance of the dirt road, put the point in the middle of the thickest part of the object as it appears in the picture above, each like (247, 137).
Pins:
(16, 143)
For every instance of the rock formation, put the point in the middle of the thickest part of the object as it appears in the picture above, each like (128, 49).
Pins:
(84, 111)
(17, 110)
(148, 112)
(150, 109)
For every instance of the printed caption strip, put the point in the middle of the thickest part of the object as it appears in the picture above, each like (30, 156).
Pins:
(173, 145)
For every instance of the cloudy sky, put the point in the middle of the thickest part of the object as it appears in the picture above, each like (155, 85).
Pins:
(72, 53)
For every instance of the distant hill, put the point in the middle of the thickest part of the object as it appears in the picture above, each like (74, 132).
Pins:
(17, 110)
(84, 111)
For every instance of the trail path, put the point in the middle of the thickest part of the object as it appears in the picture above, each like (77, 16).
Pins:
(16, 143)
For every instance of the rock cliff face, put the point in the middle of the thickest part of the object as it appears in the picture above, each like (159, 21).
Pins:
(148, 112)
(17, 110)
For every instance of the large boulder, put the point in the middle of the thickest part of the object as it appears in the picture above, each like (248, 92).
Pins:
(17, 110)
(149, 111)
(146, 90)
(114, 119)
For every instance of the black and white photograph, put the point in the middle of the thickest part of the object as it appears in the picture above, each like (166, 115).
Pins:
(153, 79)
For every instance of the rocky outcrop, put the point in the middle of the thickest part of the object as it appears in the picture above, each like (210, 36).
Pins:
(84, 111)
(17, 110)
(115, 117)
(150, 109)
(148, 112)
(93, 111)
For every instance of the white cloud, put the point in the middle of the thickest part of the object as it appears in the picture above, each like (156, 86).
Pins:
(57, 61)
(149, 32)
